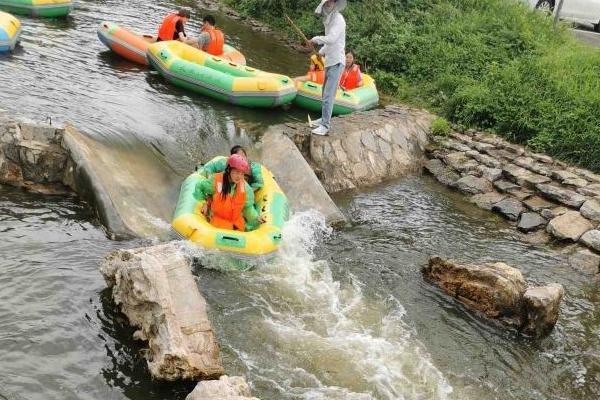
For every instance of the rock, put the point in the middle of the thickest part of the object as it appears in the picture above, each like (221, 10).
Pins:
(499, 154)
(513, 148)
(456, 145)
(591, 209)
(590, 176)
(226, 388)
(487, 200)
(592, 190)
(154, 287)
(564, 196)
(569, 226)
(523, 177)
(536, 203)
(561, 175)
(484, 159)
(591, 239)
(585, 260)
(541, 305)
(521, 194)
(575, 182)
(532, 165)
(483, 147)
(554, 212)
(472, 185)
(536, 238)
(491, 174)
(505, 186)
(530, 221)
(542, 158)
(510, 208)
(493, 289)
(441, 172)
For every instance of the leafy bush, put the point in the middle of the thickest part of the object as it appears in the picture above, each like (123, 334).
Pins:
(440, 127)
(493, 64)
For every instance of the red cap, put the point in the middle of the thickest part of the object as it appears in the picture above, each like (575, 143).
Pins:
(238, 162)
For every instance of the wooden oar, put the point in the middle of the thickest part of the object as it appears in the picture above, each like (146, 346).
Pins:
(303, 36)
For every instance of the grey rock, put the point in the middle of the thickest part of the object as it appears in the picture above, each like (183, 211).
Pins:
(591, 239)
(539, 237)
(591, 209)
(575, 182)
(484, 159)
(501, 154)
(491, 174)
(553, 212)
(537, 203)
(505, 186)
(483, 147)
(569, 226)
(487, 200)
(541, 306)
(510, 208)
(368, 139)
(521, 194)
(456, 160)
(561, 175)
(226, 388)
(456, 145)
(592, 190)
(523, 177)
(514, 148)
(564, 196)
(542, 158)
(441, 172)
(530, 221)
(472, 185)
(585, 260)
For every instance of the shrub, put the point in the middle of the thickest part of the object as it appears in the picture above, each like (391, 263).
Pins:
(440, 127)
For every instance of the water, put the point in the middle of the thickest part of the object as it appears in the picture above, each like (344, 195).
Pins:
(338, 315)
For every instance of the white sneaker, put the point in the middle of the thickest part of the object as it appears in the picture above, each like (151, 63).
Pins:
(315, 123)
(320, 130)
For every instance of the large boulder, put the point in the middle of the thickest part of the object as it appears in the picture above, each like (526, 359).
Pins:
(155, 289)
(487, 200)
(472, 185)
(541, 306)
(445, 175)
(510, 208)
(493, 289)
(569, 226)
(226, 388)
(499, 292)
(585, 260)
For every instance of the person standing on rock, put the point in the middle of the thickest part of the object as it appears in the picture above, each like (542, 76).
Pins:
(334, 44)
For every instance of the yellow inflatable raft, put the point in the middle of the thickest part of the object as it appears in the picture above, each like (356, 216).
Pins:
(270, 201)
(10, 30)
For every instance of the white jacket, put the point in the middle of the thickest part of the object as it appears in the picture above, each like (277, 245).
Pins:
(334, 41)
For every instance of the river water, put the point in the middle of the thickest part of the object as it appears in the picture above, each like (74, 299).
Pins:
(338, 315)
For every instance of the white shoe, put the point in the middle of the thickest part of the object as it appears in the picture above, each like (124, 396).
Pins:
(320, 130)
(315, 123)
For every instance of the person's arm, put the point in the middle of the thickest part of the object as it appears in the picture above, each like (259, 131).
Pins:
(203, 40)
(215, 165)
(360, 79)
(180, 31)
(257, 178)
(204, 189)
(250, 214)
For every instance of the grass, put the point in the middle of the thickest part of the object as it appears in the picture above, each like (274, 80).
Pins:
(489, 64)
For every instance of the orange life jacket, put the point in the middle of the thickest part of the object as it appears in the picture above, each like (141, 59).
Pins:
(316, 76)
(217, 40)
(350, 77)
(168, 27)
(227, 210)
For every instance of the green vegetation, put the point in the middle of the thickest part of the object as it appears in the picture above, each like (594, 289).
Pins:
(492, 64)
(440, 127)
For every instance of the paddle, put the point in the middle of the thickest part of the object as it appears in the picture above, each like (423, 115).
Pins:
(310, 44)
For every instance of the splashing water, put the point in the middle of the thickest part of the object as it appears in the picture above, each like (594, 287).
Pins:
(321, 337)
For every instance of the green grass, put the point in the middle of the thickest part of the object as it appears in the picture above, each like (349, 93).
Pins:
(491, 64)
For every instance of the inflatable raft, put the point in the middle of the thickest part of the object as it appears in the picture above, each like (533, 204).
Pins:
(133, 46)
(38, 8)
(10, 30)
(346, 101)
(270, 201)
(195, 70)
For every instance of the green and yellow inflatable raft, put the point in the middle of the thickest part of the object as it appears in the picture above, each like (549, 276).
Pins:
(270, 201)
(195, 70)
(38, 8)
(362, 98)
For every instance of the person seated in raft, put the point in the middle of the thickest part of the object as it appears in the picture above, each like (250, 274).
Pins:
(172, 27)
(219, 163)
(211, 40)
(316, 72)
(351, 76)
(228, 198)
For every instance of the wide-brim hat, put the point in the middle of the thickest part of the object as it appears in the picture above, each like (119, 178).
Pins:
(339, 6)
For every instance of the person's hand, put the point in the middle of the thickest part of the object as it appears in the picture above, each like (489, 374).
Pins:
(313, 40)
(205, 209)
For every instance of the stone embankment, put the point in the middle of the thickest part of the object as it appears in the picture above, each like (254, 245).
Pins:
(499, 292)
(155, 289)
(545, 199)
(365, 148)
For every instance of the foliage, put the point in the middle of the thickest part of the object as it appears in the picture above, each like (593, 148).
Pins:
(440, 127)
(493, 64)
